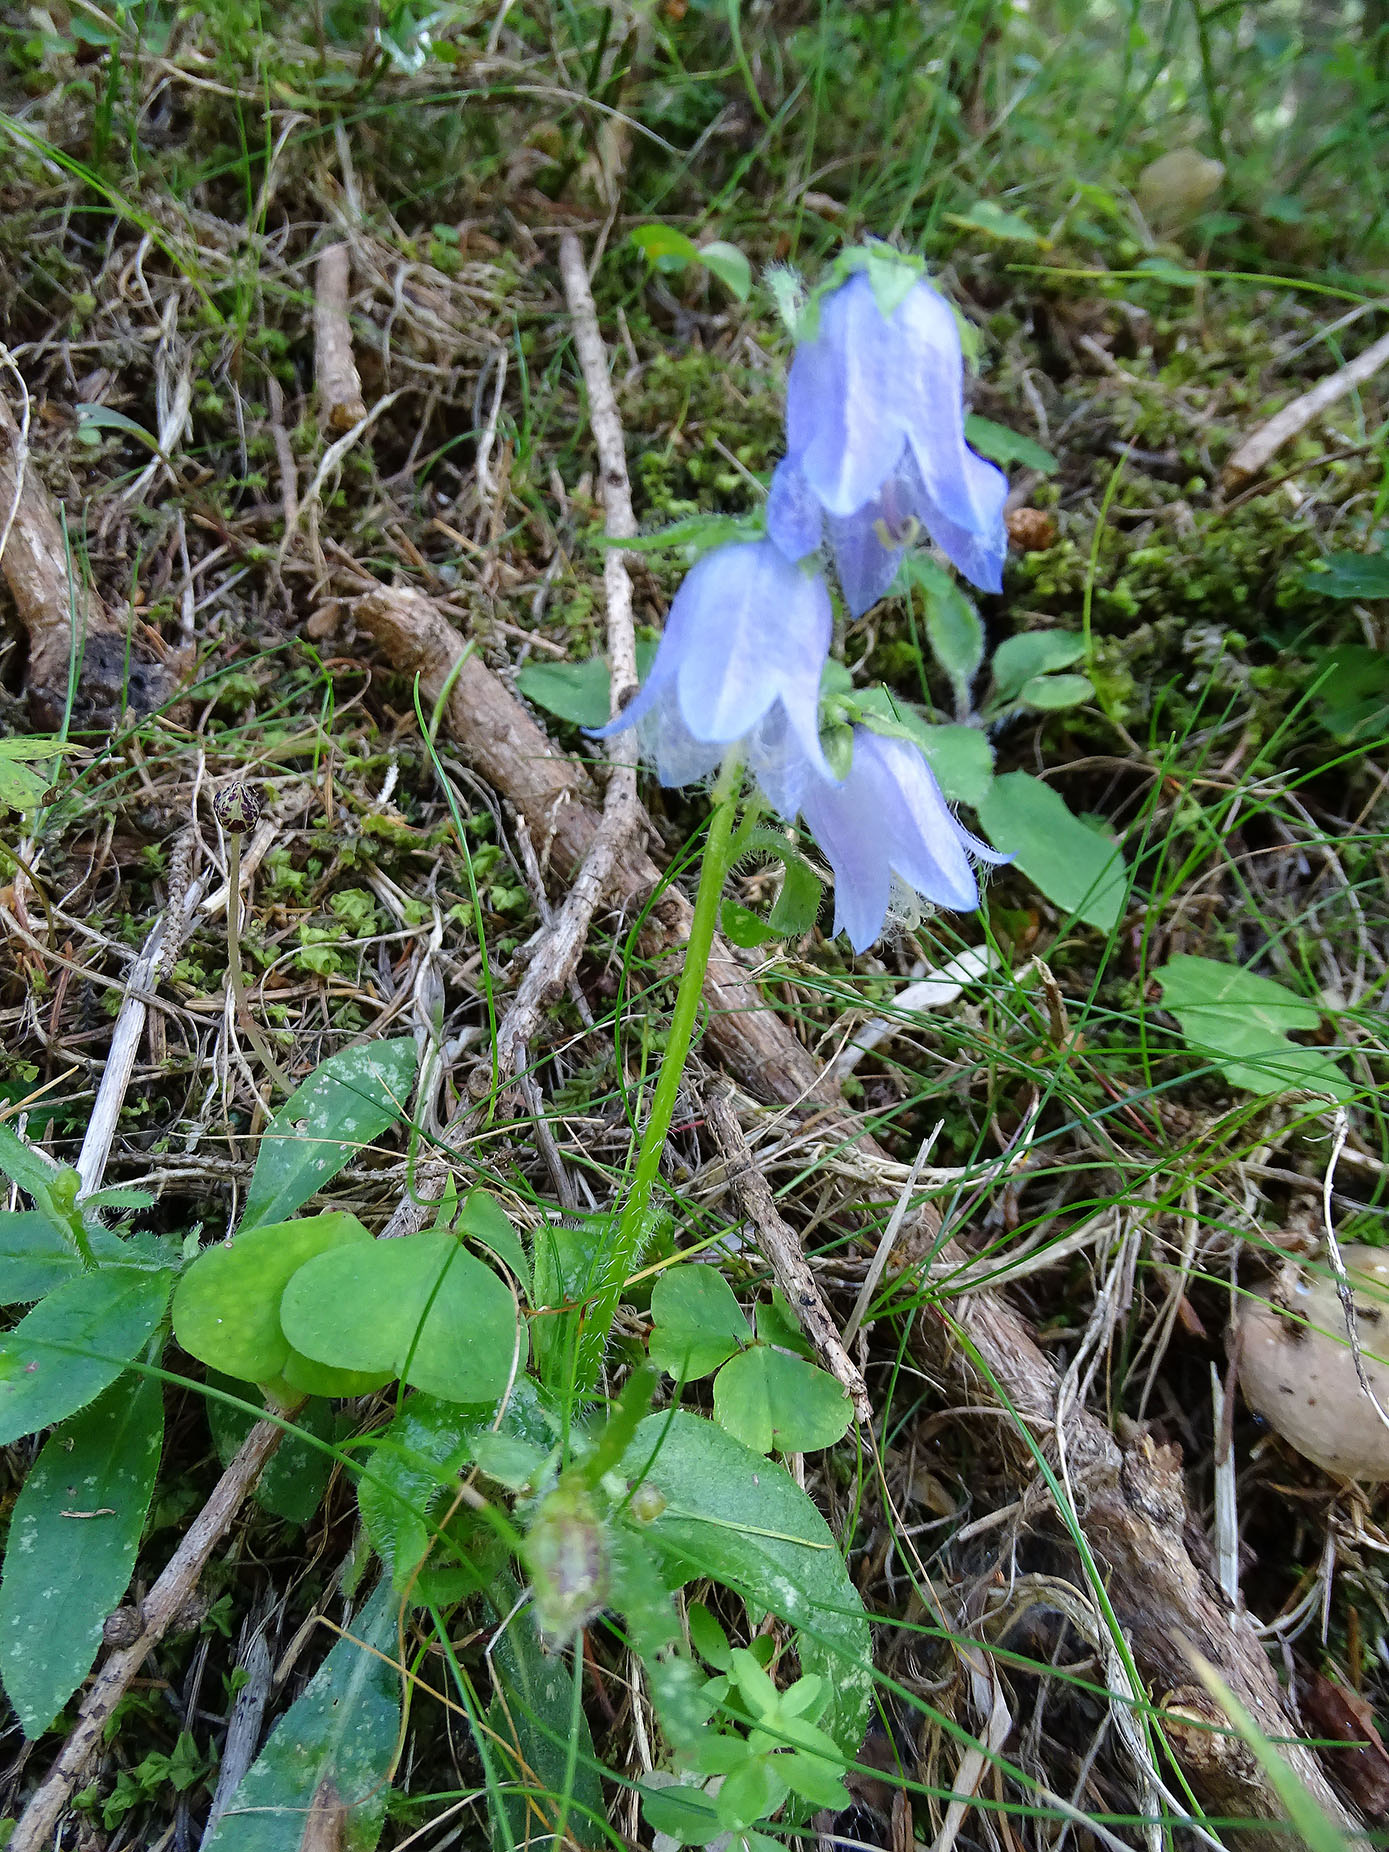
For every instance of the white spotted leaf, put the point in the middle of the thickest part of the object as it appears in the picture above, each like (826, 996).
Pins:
(348, 1101)
(72, 1544)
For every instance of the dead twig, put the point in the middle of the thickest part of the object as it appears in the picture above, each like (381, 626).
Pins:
(1130, 1500)
(159, 1609)
(782, 1250)
(1252, 455)
(340, 401)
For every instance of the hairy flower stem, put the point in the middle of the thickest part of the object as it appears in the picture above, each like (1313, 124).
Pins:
(634, 1226)
(234, 973)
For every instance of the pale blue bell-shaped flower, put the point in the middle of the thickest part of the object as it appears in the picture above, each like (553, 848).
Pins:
(888, 822)
(875, 428)
(745, 643)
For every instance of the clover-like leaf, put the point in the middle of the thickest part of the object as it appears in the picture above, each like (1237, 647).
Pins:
(773, 1402)
(697, 1323)
(422, 1308)
(227, 1307)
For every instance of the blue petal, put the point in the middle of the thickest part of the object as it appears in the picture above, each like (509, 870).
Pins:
(926, 844)
(962, 496)
(865, 566)
(794, 517)
(845, 412)
(680, 758)
(778, 761)
(846, 822)
(760, 630)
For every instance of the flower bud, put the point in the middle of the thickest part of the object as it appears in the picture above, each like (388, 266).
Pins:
(648, 1502)
(567, 1555)
(237, 808)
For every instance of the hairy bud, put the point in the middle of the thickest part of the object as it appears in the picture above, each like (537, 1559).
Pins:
(567, 1555)
(237, 808)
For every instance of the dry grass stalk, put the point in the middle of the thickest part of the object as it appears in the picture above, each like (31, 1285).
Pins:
(1253, 454)
(782, 1251)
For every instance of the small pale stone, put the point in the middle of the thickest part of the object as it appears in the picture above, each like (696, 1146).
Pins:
(1175, 186)
(1296, 1367)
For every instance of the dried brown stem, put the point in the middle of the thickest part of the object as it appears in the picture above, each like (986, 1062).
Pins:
(57, 608)
(340, 400)
(1130, 1500)
(160, 1607)
(782, 1250)
(1253, 454)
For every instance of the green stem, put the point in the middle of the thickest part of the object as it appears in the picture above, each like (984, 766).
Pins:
(634, 1226)
(234, 973)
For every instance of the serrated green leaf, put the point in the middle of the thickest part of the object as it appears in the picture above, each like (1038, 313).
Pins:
(30, 1169)
(775, 1403)
(697, 1323)
(742, 1520)
(1070, 861)
(1004, 446)
(336, 1740)
(729, 265)
(349, 1100)
(74, 1344)
(34, 1256)
(797, 907)
(1050, 693)
(1020, 659)
(74, 1535)
(422, 1308)
(1242, 1021)
(227, 1307)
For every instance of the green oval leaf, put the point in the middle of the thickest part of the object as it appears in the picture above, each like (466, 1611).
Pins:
(1035, 652)
(350, 1099)
(729, 265)
(779, 1404)
(1242, 1022)
(72, 1545)
(742, 1519)
(227, 1307)
(697, 1324)
(422, 1308)
(74, 1344)
(1049, 693)
(1070, 861)
(1005, 446)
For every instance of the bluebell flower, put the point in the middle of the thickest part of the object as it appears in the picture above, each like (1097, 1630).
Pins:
(876, 445)
(888, 825)
(745, 645)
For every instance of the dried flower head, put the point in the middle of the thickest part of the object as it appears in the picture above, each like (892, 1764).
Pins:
(236, 808)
